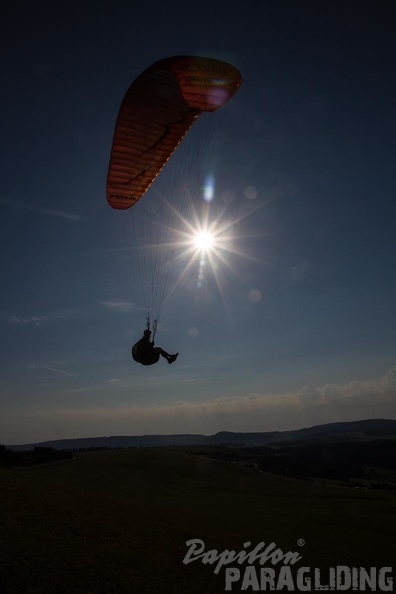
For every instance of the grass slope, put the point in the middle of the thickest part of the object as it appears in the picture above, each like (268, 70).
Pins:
(117, 522)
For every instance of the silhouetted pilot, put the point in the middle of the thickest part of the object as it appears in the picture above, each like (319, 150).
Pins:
(146, 353)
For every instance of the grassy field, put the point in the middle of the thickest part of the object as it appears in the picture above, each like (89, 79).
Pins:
(118, 521)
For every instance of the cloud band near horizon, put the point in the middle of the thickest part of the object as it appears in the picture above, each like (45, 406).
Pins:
(311, 405)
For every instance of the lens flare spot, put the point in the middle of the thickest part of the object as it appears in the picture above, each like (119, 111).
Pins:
(208, 189)
(255, 296)
(193, 332)
(250, 193)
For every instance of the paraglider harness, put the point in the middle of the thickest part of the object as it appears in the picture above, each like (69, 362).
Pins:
(146, 355)
(152, 327)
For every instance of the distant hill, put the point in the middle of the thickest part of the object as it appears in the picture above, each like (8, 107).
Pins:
(329, 433)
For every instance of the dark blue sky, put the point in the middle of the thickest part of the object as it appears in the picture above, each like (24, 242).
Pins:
(304, 332)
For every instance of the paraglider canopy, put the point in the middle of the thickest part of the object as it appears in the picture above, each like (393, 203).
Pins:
(158, 109)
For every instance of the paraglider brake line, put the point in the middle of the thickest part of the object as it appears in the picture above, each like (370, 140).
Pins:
(154, 326)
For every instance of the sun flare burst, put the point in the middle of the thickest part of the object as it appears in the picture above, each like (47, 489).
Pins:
(209, 243)
(204, 241)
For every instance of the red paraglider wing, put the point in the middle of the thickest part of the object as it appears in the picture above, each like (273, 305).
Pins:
(158, 109)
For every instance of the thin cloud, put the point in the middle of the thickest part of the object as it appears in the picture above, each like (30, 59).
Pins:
(42, 211)
(308, 406)
(62, 214)
(119, 305)
(28, 320)
(390, 376)
(60, 371)
(40, 320)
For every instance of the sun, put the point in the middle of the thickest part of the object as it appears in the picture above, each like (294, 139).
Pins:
(207, 245)
(204, 241)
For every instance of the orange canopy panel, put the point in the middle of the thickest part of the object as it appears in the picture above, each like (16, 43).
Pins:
(158, 109)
